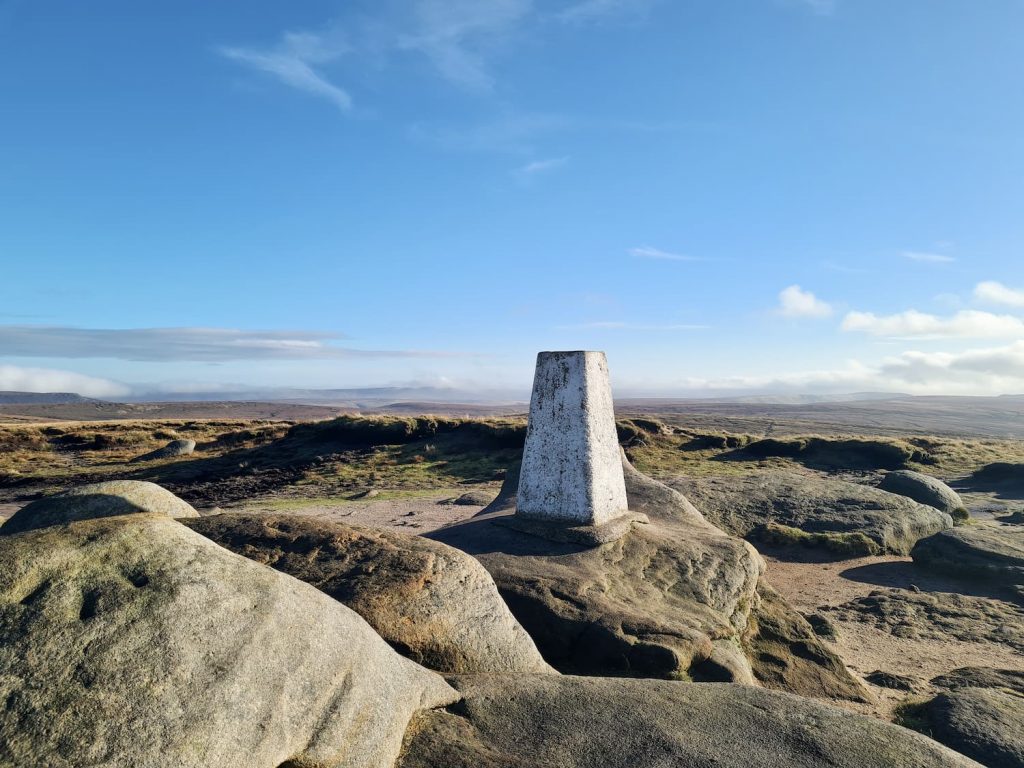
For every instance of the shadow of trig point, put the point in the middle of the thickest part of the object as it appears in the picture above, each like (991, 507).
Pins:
(571, 486)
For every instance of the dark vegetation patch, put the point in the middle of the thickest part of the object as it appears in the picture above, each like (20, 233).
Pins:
(833, 453)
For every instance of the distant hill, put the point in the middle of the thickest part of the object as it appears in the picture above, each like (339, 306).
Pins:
(42, 398)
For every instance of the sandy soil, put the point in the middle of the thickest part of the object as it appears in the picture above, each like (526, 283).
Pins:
(865, 648)
(421, 512)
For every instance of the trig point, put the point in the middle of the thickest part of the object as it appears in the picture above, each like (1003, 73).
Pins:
(571, 486)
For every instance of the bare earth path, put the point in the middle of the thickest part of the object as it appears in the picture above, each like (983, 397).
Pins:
(865, 647)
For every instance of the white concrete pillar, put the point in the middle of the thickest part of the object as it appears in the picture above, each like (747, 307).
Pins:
(572, 471)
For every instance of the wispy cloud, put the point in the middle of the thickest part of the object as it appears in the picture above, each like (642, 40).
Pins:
(615, 325)
(590, 10)
(539, 167)
(794, 301)
(992, 292)
(920, 325)
(181, 344)
(647, 252)
(455, 34)
(927, 257)
(513, 133)
(14, 378)
(291, 62)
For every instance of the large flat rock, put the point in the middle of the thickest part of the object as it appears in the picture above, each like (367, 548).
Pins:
(106, 499)
(433, 603)
(986, 551)
(814, 504)
(984, 723)
(672, 598)
(542, 721)
(937, 616)
(133, 641)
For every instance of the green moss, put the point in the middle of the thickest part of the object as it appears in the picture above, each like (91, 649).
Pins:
(847, 544)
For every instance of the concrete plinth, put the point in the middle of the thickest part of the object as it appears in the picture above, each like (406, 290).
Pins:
(572, 474)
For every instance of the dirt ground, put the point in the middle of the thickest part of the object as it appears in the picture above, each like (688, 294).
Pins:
(865, 648)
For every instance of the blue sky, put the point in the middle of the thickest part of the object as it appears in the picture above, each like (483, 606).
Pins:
(725, 195)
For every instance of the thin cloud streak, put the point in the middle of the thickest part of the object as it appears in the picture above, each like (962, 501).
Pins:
(647, 252)
(928, 258)
(538, 167)
(291, 60)
(182, 344)
(614, 325)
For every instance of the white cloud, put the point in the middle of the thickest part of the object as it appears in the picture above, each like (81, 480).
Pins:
(291, 62)
(920, 325)
(647, 252)
(928, 258)
(796, 302)
(538, 167)
(997, 293)
(991, 371)
(180, 344)
(14, 378)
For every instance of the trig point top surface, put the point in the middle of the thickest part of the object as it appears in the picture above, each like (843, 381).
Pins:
(572, 470)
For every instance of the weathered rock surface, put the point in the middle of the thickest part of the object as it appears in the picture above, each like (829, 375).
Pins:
(994, 552)
(474, 499)
(983, 723)
(786, 653)
(981, 677)
(169, 451)
(87, 502)
(134, 641)
(669, 599)
(542, 721)
(924, 489)
(431, 602)
(937, 616)
(836, 509)
(894, 681)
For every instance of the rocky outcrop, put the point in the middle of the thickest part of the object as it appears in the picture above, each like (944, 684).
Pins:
(87, 502)
(852, 519)
(983, 723)
(432, 603)
(981, 677)
(993, 552)
(670, 599)
(133, 641)
(169, 451)
(536, 721)
(650, 603)
(925, 490)
(786, 653)
(937, 616)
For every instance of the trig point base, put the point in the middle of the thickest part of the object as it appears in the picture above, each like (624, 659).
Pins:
(571, 486)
